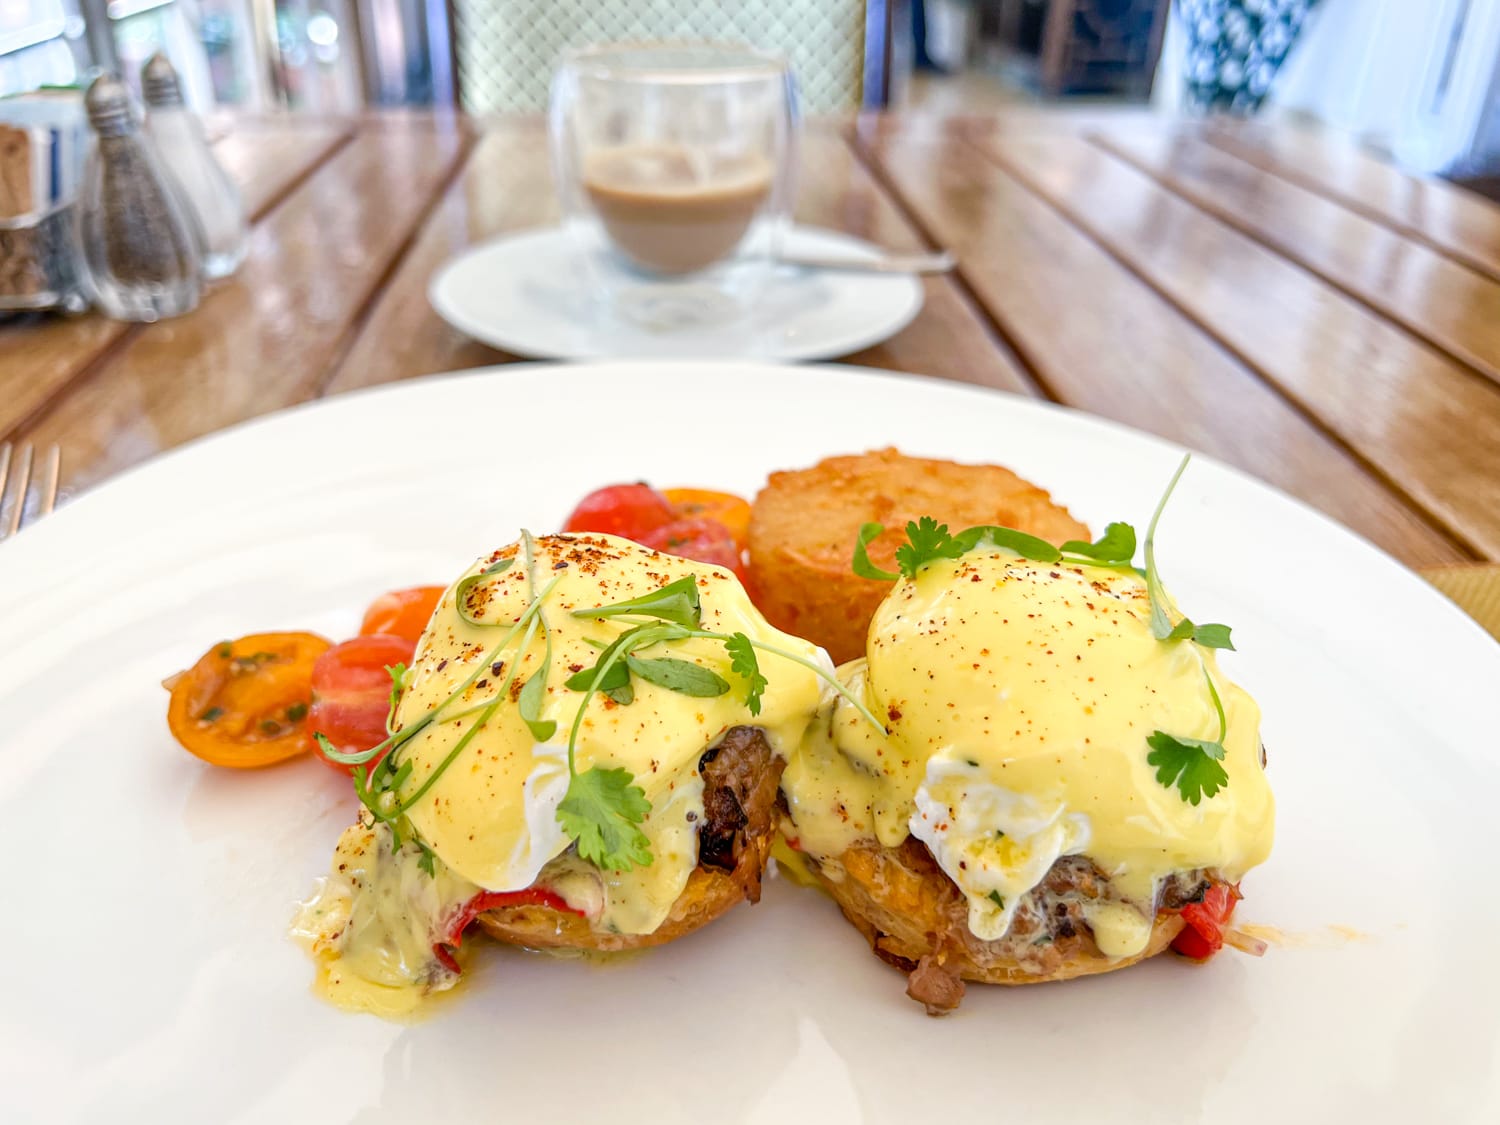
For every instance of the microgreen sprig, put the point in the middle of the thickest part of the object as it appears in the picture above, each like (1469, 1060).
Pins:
(928, 541)
(1162, 627)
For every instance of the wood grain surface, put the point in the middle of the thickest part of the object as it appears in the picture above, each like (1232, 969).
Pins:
(1124, 351)
(1264, 292)
(1444, 301)
(1396, 402)
(1462, 224)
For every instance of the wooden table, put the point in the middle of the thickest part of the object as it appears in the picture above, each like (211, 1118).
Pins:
(1262, 293)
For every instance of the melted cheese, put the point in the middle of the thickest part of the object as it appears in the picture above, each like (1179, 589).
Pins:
(372, 922)
(1018, 699)
(490, 816)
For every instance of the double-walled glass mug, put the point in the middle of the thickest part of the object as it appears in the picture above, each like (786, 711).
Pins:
(674, 167)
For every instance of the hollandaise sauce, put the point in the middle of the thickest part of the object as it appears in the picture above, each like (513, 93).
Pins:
(489, 813)
(1017, 700)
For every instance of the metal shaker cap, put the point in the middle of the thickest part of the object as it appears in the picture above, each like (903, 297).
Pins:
(159, 82)
(109, 107)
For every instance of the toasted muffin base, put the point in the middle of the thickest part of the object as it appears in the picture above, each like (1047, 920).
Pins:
(708, 894)
(916, 920)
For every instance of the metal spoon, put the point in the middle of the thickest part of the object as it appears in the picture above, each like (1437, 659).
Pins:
(887, 263)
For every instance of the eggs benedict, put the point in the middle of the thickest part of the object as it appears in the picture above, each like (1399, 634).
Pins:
(585, 754)
(1060, 773)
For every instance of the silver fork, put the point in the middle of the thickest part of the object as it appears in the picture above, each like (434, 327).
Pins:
(43, 498)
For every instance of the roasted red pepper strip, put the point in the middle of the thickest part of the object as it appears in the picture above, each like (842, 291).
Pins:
(493, 900)
(1203, 934)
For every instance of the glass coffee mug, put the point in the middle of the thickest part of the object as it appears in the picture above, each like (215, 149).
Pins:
(674, 168)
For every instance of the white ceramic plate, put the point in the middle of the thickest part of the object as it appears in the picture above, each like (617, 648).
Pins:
(526, 294)
(148, 978)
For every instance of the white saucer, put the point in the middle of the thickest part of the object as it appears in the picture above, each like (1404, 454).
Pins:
(524, 294)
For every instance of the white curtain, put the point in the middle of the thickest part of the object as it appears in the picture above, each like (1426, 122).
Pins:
(1419, 78)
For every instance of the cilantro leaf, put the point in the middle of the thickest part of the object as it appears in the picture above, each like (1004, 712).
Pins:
(1008, 539)
(861, 564)
(1116, 545)
(1192, 764)
(995, 897)
(676, 602)
(926, 541)
(681, 676)
(603, 810)
(743, 662)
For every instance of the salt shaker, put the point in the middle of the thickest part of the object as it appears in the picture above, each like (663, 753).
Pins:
(180, 142)
(139, 250)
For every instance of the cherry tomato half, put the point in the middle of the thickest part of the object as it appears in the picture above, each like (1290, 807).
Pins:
(402, 613)
(700, 540)
(245, 703)
(700, 503)
(1203, 934)
(351, 692)
(626, 510)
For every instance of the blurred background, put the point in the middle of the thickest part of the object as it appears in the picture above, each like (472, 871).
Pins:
(1417, 79)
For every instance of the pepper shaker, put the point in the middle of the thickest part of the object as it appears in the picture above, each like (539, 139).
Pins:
(204, 185)
(138, 247)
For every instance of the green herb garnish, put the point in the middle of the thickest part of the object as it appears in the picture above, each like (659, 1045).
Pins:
(1192, 764)
(529, 703)
(1115, 547)
(743, 662)
(676, 602)
(862, 565)
(681, 676)
(603, 811)
(994, 896)
(461, 593)
(1209, 636)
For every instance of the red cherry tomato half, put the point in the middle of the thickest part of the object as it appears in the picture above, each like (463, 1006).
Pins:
(706, 541)
(1203, 934)
(493, 900)
(705, 504)
(351, 692)
(626, 510)
(402, 613)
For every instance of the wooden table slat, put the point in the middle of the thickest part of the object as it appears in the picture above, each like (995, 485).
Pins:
(1398, 403)
(1457, 221)
(1440, 299)
(265, 338)
(265, 164)
(1102, 341)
